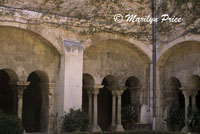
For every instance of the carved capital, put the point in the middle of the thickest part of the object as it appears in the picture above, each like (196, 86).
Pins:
(95, 92)
(194, 93)
(89, 92)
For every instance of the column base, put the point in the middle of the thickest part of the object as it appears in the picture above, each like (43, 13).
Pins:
(112, 127)
(119, 128)
(95, 128)
(185, 129)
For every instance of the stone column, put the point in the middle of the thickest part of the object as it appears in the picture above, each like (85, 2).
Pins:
(95, 92)
(48, 116)
(20, 90)
(52, 118)
(187, 94)
(119, 92)
(113, 123)
(193, 95)
(44, 108)
(89, 92)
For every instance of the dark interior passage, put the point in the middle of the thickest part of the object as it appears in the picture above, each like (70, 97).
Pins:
(198, 100)
(126, 98)
(32, 102)
(104, 107)
(6, 94)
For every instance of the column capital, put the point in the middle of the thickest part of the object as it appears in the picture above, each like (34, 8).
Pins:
(120, 90)
(95, 92)
(194, 93)
(89, 92)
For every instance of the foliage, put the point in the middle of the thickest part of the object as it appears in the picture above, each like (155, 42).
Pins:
(75, 120)
(175, 120)
(128, 115)
(194, 118)
(10, 124)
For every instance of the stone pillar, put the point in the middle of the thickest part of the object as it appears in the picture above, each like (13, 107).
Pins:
(95, 91)
(48, 116)
(44, 108)
(52, 118)
(119, 92)
(113, 123)
(20, 90)
(89, 92)
(193, 95)
(187, 94)
(71, 76)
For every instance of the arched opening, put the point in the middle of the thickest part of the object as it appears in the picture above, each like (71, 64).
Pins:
(173, 95)
(8, 101)
(131, 96)
(105, 102)
(35, 103)
(87, 80)
(194, 84)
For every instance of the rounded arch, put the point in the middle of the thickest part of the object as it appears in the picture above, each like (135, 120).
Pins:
(170, 48)
(13, 77)
(88, 79)
(166, 47)
(173, 83)
(140, 48)
(133, 81)
(110, 81)
(44, 78)
(194, 81)
(50, 40)
(8, 102)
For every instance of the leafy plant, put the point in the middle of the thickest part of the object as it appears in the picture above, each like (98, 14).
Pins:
(10, 124)
(75, 120)
(194, 119)
(175, 120)
(129, 116)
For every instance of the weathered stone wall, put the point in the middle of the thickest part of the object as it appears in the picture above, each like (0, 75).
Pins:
(24, 53)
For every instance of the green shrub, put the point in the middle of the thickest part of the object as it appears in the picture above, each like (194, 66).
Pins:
(10, 124)
(194, 119)
(128, 116)
(175, 120)
(75, 120)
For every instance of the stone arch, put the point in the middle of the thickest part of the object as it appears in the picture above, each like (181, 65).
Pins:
(173, 94)
(8, 102)
(105, 102)
(24, 51)
(88, 79)
(36, 102)
(133, 81)
(178, 59)
(101, 37)
(42, 35)
(173, 97)
(13, 77)
(115, 56)
(194, 82)
(170, 45)
(132, 95)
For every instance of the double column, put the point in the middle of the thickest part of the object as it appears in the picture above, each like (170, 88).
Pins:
(116, 113)
(93, 91)
(18, 88)
(187, 94)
